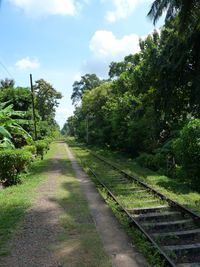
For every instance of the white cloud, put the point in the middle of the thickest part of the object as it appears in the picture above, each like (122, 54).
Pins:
(122, 8)
(27, 63)
(106, 47)
(104, 44)
(47, 7)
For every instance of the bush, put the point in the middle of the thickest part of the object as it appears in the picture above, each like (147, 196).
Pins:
(31, 149)
(23, 160)
(42, 146)
(154, 162)
(187, 150)
(12, 163)
(148, 161)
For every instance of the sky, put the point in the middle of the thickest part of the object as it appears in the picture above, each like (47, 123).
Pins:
(60, 40)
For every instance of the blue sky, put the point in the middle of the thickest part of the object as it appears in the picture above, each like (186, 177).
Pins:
(60, 40)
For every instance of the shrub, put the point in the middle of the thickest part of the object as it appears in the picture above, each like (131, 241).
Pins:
(12, 163)
(23, 160)
(31, 148)
(155, 162)
(41, 147)
(187, 150)
(148, 161)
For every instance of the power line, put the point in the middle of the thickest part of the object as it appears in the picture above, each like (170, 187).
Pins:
(4, 67)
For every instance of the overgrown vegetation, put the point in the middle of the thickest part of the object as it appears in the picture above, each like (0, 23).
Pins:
(173, 188)
(20, 144)
(150, 105)
(106, 174)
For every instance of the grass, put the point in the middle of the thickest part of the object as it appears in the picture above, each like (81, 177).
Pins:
(15, 200)
(79, 244)
(174, 189)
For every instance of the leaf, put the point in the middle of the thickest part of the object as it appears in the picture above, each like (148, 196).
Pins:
(6, 143)
(4, 132)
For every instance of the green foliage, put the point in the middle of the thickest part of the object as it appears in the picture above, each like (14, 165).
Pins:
(42, 146)
(46, 99)
(87, 82)
(148, 161)
(11, 128)
(19, 97)
(13, 163)
(187, 13)
(187, 150)
(16, 126)
(149, 97)
(31, 148)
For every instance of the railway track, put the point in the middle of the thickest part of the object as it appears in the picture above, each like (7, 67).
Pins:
(173, 229)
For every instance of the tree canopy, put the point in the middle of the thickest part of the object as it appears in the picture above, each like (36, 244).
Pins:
(151, 96)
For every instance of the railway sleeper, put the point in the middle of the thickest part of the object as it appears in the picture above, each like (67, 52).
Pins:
(178, 237)
(128, 192)
(141, 197)
(131, 187)
(168, 226)
(184, 253)
(145, 201)
(137, 203)
(148, 209)
(158, 216)
(116, 183)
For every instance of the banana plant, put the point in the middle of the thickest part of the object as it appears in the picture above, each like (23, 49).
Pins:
(10, 124)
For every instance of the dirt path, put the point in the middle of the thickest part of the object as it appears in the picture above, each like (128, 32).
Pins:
(30, 246)
(37, 243)
(116, 242)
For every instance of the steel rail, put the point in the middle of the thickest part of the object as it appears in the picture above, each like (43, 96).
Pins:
(171, 202)
(168, 261)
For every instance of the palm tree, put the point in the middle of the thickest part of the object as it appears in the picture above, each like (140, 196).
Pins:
(186, 10)
(7, 83)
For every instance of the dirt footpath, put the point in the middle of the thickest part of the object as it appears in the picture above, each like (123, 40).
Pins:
(40, 228)
(115, 240)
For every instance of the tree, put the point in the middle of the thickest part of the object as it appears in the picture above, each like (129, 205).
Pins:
(68, 127)
(87, 82)
(46, 100)
(117, 68)
(187, 12)
(7, 83)
(187, 151)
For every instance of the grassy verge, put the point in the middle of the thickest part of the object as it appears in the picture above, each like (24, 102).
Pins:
(15, 200)
(78, 244)
(177, 190)
(174, 189)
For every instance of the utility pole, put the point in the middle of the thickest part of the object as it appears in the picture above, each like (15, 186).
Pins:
(87, 129)
(33, 108)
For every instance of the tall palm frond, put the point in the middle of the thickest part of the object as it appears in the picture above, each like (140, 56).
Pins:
(186, 10)
(160, 6)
